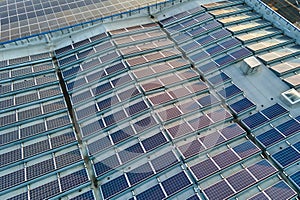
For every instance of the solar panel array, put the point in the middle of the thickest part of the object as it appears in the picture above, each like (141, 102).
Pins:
(152, 116)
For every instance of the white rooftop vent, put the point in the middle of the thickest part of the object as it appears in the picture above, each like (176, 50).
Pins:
(250, 65)
(291, 97)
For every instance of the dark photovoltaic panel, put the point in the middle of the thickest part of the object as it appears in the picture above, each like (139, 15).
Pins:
(45, 191)
(241, 180)
(106, 165)
(280, 191)
(131, 152)
(219, 191)
(259, 196)
(154, 141)
(226, 158)
(254, 121)
(274, 111)
(204, 169)
(114, 186)
(89, 195)
(153, 193)
(286, 156)
(246, 149)
(164, 161)
(262, 169)
(242, 106)
(74, 179)
(230, 92)
(176, 183)
(191, 149)
(139, 174)
(296, 178)
(289, 128)
(270, 137)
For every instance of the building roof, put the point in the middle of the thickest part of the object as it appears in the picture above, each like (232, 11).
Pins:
(199, 100)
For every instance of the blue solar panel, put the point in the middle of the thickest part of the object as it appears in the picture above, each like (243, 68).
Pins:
(67, 60)
(139, 174)
(153, 193)
(232, 42)
(297, 146)
(199, 56)
(114, 187)
(226, 158)
(242, 106)
(21, 196)
(232, 131)
(197, 31)
(121, 81)
(9, 157)
(68, 158)
(190, 149)
(99, 145)
(115, 68)
(219, 191)
(298, 118)
(209, 67)
(204, 169)
(270, 137)
(289, 128)
(108, 103)
(131, 152)
(212, 139)
(164, 161)
(144, 124)
(89, 195)
(136, 108)
(106, 165)
(296, 178)
(286, 156)
(194, 197)
(241, 53)
(122, 134)
(70, 72)
(81, 97)
(205, 40)
(200, 122)
(259, 196)
(58, 122)
(39, 169)
(190, 46)
(176, 183)
(230, 92)
(9, 137)
(219, 79)
(12, 179)
(241, 180)
(7, 119)
(92, 128)
(225, 60)
(274, 111)
(36, 148)
(45, 191)
(208, 100)
(95, 76)
(6, 103)
(280, 190)
(114, 118)
(154, 141)
(74, 180)
(246, 149)
(262, 170)
(255, 121)
(102, 89)
(215, 50)
(85, 112)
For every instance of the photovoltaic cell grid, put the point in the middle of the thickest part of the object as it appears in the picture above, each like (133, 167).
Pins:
(239, 181)
(37, 17)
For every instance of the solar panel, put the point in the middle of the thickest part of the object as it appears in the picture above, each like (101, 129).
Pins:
(262, 170)
(122, 134)
(225, 60)
(203, 41)
(200, 122)
(39, 169)
(242, 106)
(73, 180)
(89, 195)
(76, 84)
(179, 130)
(212, 140)
(45, 191)
(99, 145)
(114, 118)
(87, 111)
(31, 113)
(153, 193)
(246, 149)
(129, 94)
(102, 89)
(9, 137)
(230, 92)
(131, 152)
(12, 179)
(204, 169)
(21, 196)
(190, 46)
(92, 128)
(36, 148)
(7, 119)
(259, 196)
(226, 158)
(280, 190)
(297, 145)
(144, 124)
(108, 103)
(296, 178)
(95, 76)
(164, 161)
(176, 183)
(136, 108)
(114, 186)
(241, 53)
(154, 141)
(270, 137)
(68, 158)
(219, 191)
(10, 157)
(241, 180)
(215, 50)
(274, 111)
(26, 98)
(232, 131)
(199, 56)
(289, 128)
(219, 115)
(106, 165)
(286, 156)
(121, 81)
(70, 72)
(190, 149)
(254, 121)
(139, 174)
(208, 100)
(189, 107)
(169, 114)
